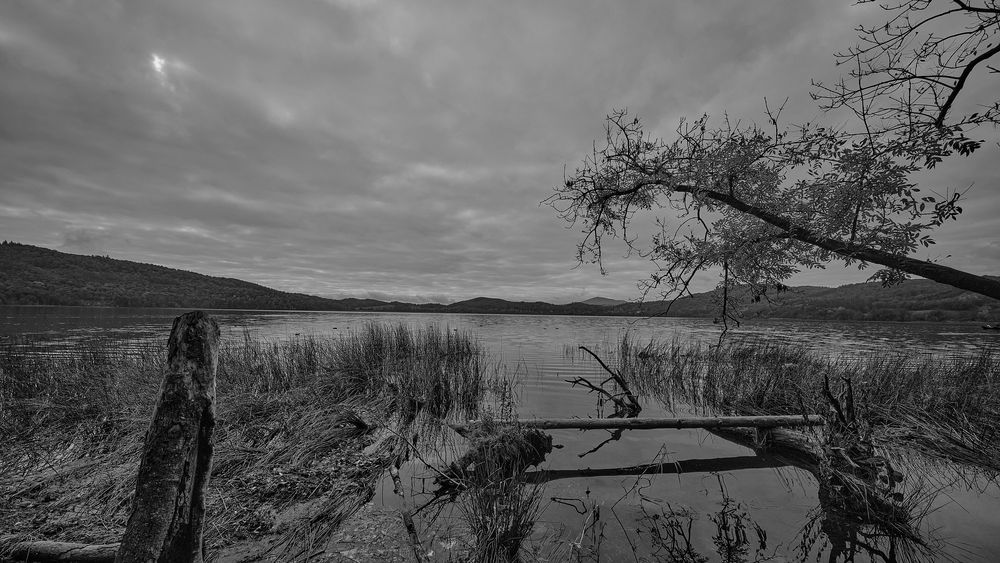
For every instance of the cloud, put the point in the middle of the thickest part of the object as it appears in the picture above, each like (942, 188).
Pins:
(373, 147)
(87, 240)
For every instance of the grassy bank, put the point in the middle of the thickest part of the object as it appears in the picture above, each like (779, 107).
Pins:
(296, 448)
(946, 407)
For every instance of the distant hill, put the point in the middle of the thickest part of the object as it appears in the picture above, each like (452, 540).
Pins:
(30, 275)
(603, 302)
(913, 300)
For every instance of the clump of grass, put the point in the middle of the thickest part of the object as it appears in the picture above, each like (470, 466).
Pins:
(944, 406)
(294, 418)
(426, 370)
(497, 506)
(501, 515)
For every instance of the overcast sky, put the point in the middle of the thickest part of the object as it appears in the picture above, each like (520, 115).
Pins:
(388, 149)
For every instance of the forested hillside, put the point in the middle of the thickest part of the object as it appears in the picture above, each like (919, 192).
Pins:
(913, 300)
(30, 275)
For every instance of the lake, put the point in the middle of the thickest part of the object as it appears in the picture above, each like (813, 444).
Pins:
(627, 517)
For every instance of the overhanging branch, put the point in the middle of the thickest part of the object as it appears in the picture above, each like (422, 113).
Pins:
(936, 272)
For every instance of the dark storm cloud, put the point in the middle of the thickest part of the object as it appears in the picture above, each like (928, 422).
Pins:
(367, 147)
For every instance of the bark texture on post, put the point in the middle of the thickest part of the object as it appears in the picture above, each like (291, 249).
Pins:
(168, 512)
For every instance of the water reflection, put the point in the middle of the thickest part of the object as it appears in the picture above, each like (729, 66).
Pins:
(643, 525)
(864, 509)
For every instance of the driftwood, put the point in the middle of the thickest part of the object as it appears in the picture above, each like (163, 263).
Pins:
(406, 512)
(496, 452)
(849, 487)
(626, 403)
(656, 423)
(697, 465)
(168, 512)
(798, 449)
(43, 551)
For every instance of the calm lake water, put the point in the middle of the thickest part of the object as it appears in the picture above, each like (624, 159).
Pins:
(632, 517)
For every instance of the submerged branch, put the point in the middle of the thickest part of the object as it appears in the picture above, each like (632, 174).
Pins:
(771, 421)
(710, 465)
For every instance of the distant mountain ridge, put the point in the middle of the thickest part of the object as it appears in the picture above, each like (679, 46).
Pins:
(30, 275)
(603, 302)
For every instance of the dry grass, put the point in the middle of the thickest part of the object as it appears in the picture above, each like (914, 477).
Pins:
(294, 418)
(945, 407)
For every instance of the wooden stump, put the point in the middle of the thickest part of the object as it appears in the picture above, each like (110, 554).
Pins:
(168, 512)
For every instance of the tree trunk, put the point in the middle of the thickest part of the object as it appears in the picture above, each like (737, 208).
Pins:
(168, 512)
(929, 270)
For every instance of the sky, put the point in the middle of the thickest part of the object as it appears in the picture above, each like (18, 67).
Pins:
(392, 149)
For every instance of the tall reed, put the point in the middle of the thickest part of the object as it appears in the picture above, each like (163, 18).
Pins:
(946, 406)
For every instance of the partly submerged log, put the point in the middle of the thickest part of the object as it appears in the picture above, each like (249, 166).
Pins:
(656, 423)
(697, 465)
(56, 552)
(168, 512)
(797, 448)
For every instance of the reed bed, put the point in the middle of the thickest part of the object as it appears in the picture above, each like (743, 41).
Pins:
(295, 418)
(947, 407)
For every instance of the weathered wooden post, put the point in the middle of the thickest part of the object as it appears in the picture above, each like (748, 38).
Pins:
(168, 512)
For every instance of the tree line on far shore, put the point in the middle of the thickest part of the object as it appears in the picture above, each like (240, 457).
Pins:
(38, 276)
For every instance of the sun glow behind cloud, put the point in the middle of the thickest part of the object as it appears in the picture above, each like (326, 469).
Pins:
(159, 65)
(168, 72)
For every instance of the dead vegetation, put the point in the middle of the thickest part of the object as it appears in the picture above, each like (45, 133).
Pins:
(947, 408)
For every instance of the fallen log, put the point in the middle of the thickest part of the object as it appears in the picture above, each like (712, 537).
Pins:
(655, 423)
(794, 447)
(697, 465)
(56, 552)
